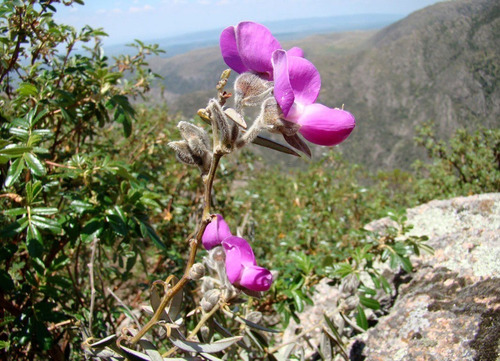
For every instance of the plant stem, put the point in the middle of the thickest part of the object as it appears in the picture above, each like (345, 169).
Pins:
(193, 247)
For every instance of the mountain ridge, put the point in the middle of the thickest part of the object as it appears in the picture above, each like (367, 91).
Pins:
(438, 63)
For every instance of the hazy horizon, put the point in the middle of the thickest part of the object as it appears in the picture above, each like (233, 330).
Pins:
(126, 20)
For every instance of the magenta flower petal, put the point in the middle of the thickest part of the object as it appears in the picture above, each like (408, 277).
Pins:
(296, 80)
(283, 91)
(304, 79)
(229, 50)
(256, 45)
(295, 51)
(238, 254)
(215, 233)
(325, 126)
(256, 278)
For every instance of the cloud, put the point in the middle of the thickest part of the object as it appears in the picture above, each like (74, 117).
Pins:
(134, 9)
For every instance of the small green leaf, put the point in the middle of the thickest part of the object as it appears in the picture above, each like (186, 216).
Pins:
(44, 211)
(14, 212)
(361, 318)
(148, 231)
(34, 164)
(369, 302)
(14, 151)
(27, 89)
(46, 223)
(6, 283)
(14, 172)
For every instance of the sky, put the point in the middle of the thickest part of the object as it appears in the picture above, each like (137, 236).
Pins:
(125, 20)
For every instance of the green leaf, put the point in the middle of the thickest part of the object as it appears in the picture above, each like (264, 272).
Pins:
(14, 212)
(117, 224)
(81, 206)
(369, 302)
(33, 242)
(148, 231)
(14, 151)
(34, 164)
(361, 318)
(14, 172)
(6, 283)
(27, 89)
(46, 223)
(44, 211)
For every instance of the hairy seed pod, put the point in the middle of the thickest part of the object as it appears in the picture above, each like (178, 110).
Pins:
(197, 271)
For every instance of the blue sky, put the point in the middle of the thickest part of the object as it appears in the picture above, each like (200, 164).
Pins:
(125, 20)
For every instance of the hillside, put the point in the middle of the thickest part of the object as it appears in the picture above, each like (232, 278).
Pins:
(438, 63)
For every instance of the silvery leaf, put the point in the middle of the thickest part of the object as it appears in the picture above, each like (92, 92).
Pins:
(217, 346)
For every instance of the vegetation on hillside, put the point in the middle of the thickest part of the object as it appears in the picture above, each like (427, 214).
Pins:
(95, 207)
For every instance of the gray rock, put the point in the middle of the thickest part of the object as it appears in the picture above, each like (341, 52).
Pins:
(451, 308)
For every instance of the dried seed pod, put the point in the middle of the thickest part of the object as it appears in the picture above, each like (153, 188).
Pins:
(197, 271)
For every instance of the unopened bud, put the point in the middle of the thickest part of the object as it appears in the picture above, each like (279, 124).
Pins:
(251, 90)
(350, 284)
(206, 333)
(183, 152)
(197, 271)
(227, 128)
(209, 300)
(196, 138)
(271, 117)
(207, 284)
(254, 317)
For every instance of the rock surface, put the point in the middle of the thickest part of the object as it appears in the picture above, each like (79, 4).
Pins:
(449, 308)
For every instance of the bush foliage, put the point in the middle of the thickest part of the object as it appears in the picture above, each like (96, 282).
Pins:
(80, 161)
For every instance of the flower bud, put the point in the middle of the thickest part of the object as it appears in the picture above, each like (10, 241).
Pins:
(251, 90)
(226, 127)
(207, 284)
(183, 152)
(209, 300)
(272, 117)
(254, 317)
(350, 284)
(206, 333)
(196, 137)
(197, 271)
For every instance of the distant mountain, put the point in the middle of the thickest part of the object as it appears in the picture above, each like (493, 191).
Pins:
(283, 29)
(438, 63)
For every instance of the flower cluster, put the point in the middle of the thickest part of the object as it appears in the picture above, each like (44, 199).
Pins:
(251, 50)
(241, 267)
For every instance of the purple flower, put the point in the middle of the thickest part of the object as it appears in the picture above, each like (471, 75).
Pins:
(248, 47)
(215, 233)
(296, 86)
(241, 267)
